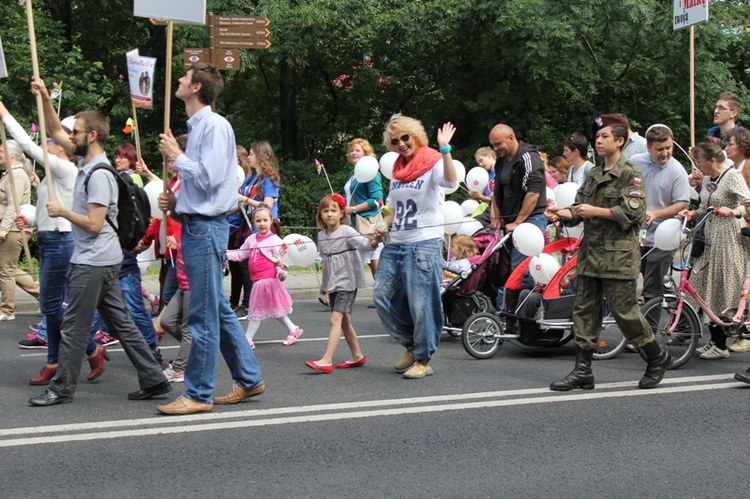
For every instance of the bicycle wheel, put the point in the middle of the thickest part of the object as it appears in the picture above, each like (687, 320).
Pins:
(478, 337)
(683, 341)
(611, 341)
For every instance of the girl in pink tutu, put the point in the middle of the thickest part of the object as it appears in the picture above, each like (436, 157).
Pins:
(268, 297)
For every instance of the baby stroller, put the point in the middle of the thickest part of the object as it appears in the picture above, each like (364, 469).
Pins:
(475, 290)
(538, 318)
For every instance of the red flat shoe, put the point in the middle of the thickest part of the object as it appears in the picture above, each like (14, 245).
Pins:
(324, 368)
(357, 363)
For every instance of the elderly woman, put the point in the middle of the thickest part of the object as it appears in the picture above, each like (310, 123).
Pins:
(719, 271)
(407, 285)
(15, 164)
(363, 200)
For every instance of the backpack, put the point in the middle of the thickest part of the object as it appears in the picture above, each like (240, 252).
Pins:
(133, 208)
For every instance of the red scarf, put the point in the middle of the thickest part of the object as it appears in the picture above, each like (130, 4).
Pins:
(421, 163)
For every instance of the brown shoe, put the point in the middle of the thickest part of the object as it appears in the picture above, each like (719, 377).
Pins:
(96, 361)
(238, 394)
(48, 372)
(183, 406)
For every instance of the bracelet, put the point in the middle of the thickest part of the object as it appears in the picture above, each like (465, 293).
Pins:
(445, 150)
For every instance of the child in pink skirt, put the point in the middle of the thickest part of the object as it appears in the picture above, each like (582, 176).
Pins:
(268, 297)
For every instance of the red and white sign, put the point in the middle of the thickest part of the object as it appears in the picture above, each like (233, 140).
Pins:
(689, 12)
(141, 78)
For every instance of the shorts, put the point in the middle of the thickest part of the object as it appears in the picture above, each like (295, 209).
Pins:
(342, 301)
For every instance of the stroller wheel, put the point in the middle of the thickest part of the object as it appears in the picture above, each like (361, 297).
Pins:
(480, 335)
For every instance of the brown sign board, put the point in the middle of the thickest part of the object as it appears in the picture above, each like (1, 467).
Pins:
(226, 59)
(240, 43)
(238, 32)
(191, 56)
(214, 20)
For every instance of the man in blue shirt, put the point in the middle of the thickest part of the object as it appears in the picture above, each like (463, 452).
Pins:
(208, 168)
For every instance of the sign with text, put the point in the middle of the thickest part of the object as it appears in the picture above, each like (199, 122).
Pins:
(191, 56)
(141, 77)
(240, 43)
(238, 31)
(689, 12)
(187, 11)
(226, 59)
(3, 67)
(214, 20)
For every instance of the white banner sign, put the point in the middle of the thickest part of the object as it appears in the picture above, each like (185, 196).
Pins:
(689, 12)
(141, 78)
(3, 67)
(186, 11)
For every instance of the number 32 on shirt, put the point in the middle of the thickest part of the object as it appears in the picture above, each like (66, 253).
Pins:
(405, 215)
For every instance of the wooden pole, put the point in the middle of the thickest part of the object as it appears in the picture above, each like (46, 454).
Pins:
(13, 191)
(137, 131)
(692, 86)
(167, 121)
(39, 103)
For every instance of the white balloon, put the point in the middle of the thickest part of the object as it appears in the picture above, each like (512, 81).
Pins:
(453, 216)
(469, 206)
(694, 194)
(477, 179)
(153, 189)
(469, 226)
(574, 232)
(28, 213)
(668, 235)
(302, 251)
(365, 169)
(551, 198)
(528, 239)
(543, 267)
(147, 260)
(240, 175)
(566, 194)
(460, 170)
(387, 161)
(286, 242)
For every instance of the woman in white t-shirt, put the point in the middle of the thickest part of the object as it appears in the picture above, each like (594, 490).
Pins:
(575, 150)
(407, 283)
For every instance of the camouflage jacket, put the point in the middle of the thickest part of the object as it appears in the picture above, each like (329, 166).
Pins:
(609, 248)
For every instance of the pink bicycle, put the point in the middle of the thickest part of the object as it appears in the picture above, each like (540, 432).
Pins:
(675, 322)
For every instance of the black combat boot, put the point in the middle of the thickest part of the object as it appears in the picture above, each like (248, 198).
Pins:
(580, 377)
(658, 363)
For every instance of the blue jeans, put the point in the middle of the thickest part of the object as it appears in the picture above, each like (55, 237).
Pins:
(407, 295)
(211, 321)
(170, 286)
(516, 257)
(131, 295)
(55, 251)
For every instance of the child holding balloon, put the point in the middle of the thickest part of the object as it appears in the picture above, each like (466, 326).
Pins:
(268, 297)
(343, 274)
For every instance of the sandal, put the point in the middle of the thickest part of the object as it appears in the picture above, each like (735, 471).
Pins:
(292, 337)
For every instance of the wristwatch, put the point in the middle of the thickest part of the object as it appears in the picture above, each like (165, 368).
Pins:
(354, 210)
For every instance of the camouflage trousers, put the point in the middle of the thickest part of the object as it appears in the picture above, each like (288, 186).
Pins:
(621, 302)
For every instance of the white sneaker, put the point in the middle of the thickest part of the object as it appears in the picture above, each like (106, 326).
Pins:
(174, 376)
(705, 347)
(10, 317)
(714, 353)
(741, 345)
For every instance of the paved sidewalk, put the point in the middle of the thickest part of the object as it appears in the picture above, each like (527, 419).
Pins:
(301, 286)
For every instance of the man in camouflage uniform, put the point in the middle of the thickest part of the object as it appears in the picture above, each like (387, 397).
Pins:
(612, 204)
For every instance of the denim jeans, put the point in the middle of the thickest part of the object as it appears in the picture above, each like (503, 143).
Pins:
(407, 295)
(55, 251)
(211, 321)
(169, 286)
(516, 257)
(131, 295)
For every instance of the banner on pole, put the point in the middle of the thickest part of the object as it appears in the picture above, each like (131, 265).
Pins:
(141, 77)
(689, 12)
(3, 67)
(187, 11)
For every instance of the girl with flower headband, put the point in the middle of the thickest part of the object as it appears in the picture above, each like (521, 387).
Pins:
(268, 296)
(343, 274)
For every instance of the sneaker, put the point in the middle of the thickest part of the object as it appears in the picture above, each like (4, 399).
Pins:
(741, 345)
(705, 348)
(158, 357)
(292, 337)
(174, 376)
(105, 340)
(35, 327)
(32, 342)
(155, 307)
(714, 353)
(406, 362)
(4, 317)
(418, 371)
(241, 313)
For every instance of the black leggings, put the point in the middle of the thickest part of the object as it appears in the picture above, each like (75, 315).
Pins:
(718, 336)
(240, 281)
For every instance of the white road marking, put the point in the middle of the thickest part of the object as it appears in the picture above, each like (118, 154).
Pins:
(164, 425)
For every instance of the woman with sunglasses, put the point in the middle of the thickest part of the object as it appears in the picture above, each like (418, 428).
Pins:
(719, 271)
(407, 284)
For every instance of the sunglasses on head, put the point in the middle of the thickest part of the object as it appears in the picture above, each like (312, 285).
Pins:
(403, 138)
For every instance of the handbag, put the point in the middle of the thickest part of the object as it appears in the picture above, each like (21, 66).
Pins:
(367, 225)
(699, 243)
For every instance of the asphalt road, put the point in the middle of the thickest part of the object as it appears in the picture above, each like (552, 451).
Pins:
(476, 428)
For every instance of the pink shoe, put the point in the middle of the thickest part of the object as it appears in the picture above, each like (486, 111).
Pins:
(252, 345)
(292, 337)
(324, 368)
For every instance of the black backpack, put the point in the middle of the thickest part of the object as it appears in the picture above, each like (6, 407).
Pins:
(133, 208)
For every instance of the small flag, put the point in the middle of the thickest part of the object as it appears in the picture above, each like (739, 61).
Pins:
(319, 166)
(128, 127)
(637, 181)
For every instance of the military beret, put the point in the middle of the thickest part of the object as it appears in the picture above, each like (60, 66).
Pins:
(607, 120)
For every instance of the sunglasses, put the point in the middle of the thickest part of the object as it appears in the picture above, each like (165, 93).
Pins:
(403, 138)
(76, 131)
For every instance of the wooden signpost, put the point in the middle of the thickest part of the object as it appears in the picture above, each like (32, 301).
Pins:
(227, 35)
